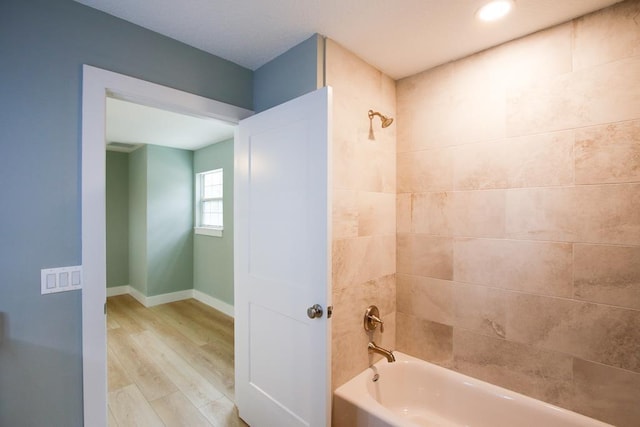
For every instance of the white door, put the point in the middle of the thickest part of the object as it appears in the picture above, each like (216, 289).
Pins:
(282, 264)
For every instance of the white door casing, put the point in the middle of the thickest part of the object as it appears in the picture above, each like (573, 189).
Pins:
(97, 84)
(282, 220)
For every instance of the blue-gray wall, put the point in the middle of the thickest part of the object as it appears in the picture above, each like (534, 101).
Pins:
(117, 219)
(169, 220)
(213, 256)
(298, 71)
(43, 44)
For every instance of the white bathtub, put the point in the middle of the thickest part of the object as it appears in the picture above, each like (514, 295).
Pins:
(412, 392)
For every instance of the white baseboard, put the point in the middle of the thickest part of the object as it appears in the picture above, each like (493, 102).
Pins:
(138, 296)
(118, 290)
(214, 302)
(172, 297)
(166, 298)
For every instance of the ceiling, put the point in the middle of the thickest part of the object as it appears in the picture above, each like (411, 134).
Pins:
(134, 124)
(399, 37)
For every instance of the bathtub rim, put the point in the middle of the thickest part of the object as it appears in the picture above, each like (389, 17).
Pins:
(355, 392)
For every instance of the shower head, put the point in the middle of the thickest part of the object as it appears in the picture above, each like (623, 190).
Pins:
(386, 121)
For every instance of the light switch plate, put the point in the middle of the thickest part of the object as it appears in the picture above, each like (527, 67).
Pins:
(60, 279)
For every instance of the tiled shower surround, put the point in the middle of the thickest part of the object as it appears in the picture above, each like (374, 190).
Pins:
(518, 246)
(517, 257)
(364, 209)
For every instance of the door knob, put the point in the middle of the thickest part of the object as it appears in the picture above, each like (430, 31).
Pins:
(314, 311)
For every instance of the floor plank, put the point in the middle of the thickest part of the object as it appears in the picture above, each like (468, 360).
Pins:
(223, 413)
(169, 314)
(139, 366)
(179, 356)
(122, 316)
(199, 391)
(111, 422)
(117, 376)
(130, 408)
(176, 410)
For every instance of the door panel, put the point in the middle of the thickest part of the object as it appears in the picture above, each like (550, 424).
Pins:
(282, 263)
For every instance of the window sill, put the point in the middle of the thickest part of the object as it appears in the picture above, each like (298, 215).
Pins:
(206, 231)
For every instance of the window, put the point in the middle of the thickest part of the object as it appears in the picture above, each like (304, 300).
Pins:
(209, 204)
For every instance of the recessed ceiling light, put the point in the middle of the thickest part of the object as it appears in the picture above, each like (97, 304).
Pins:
(494, 10)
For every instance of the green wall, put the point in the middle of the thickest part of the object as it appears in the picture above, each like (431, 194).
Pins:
(117, 219)
(43, 44)
(213, 256)
(169, 220)
(138, 219)
(160, 218)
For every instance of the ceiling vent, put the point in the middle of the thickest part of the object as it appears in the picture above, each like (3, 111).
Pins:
(122, 147)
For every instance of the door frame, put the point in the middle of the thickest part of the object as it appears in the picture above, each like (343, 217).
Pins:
(97, 85)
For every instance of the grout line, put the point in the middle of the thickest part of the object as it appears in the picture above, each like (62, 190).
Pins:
(517, 291)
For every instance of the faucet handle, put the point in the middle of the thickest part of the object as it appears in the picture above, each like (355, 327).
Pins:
(376, 319)
(372, 319)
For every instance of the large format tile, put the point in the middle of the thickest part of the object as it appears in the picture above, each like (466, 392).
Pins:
(361, 259)
(480, 309)
(530, 161)
(424, 339)
(529, 59)
(474, 86)
(363, 84)
(425, 298)
(425, 102)
(607, 274)
(607, 35)
(350, 354)
(608, 153)
(376, 213)
(350, 303)
(586, 214)
(431, 213)
(376, 168)
(606, 393)
(541, 374)
(403, 212)
(345, 214)
(478, 213)
(425, 255)
(345, 174)
(594, 332)
(591, 96)
(537, 267)
(427, 170)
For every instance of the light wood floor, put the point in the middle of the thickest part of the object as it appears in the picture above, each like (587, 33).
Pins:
(169, 365)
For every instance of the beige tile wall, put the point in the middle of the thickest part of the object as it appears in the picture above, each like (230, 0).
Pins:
(364, 210)
(518, 215)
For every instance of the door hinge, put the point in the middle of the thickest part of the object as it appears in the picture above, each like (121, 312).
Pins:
(105, 308)
(329, 311)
